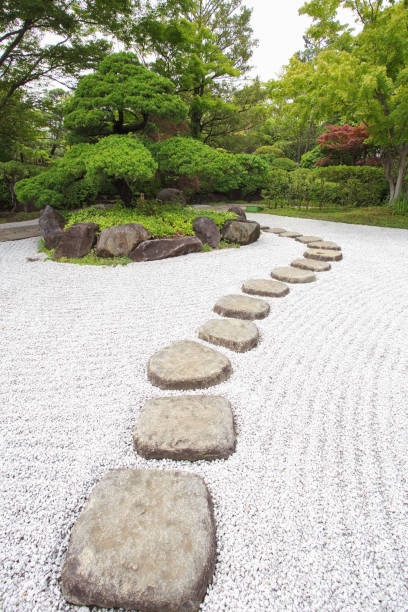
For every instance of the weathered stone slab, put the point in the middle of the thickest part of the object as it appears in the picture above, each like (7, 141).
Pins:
(52, 224)
(277, 230)
(241, 232)
(190, 427)
(162, 248)
(121, 239)
(323, 254)
(242, 307)
(265, 227)
(145, 541)
(207, 231)
(77, 240)
(234, 334)
(311, 264)
(292, 275)
(324, 244)
(188, 365)
(266, 287)
(19, 230)
(307, 239)
(289, 234)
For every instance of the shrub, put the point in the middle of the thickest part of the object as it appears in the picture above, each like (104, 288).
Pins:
(269, 150)
(309, 159)
(284, 163)
(253, 173)
(360, 185)
(277, 186)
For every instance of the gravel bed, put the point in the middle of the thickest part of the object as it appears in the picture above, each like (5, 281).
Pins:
(311, 510)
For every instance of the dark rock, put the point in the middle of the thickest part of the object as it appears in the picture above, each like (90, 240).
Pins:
(77, 240)
(51, 225)
(171, 195)
(242, 232)
(150, 250)
(121, 239)
(238, 211)
(145, 541)
(207, 231)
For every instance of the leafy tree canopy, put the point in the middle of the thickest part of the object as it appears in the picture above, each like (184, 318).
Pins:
(119, 98)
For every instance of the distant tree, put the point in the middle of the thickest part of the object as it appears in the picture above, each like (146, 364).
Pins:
(119, 98)
(344, 144)
(52, 107)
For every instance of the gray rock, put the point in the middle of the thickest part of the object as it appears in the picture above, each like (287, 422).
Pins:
(150, 250)
(289, 274)
(190, 427)
(238, 211)
(311, 264)
(234, 334)
(77, 240)
(242, 307)
(207, 231)
(145, 541)
(307, 239)
(276, 230)
(52, 224)
(121, 239)
(19, 230)
(266, 287)
(323, 254)
(171, 195)
(289, 234)
(241, 232)
(324, 244)
(188, 365)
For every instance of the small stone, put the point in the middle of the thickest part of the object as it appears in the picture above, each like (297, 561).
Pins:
(162, 248)
(241, 232)
(242, 307)
(323, 254)
(188, 365)
(266, 287)
(289, 234)
(324, 244)
(120, 239)
(292, 275)
(76, 241)
(171, 195)
(190, 428)
(311, 264)
(234, 334)
(207, 231)
(277, 230)
(307, 239)
(265, 227)
(144, 541)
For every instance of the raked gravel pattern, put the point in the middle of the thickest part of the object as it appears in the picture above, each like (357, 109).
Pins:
(312, 508)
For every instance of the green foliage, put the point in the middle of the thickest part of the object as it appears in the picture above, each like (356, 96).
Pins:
(309, 159)
(10, 173)
(270, 150)
(284, 163)
(401, 206)
(119, 98)
(253, 173)
(171, 221)
(277, 186)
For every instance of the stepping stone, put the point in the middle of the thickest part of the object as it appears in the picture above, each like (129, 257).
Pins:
(307, 239)
(289, 235)
(264, 286)
(265, 227)
(311, 264)
(242, 307)
(276, 230)
(144, 541)
(234, 334)
(323, 254)
(324, 244)
(188, 365)
(293, 275)
(190, 427)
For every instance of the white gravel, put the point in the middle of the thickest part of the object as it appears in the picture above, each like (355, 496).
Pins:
(311, 510)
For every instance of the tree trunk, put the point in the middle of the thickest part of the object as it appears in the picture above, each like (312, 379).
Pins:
(395, 167)
(124, 191)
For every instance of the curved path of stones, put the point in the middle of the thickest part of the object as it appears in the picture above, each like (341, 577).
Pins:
(154, 547)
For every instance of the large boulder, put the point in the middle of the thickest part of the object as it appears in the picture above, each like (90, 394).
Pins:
(150, 250)
(77, 240)
(238, 211)
(121, 239)
(242, 232)
(51, 225)
(207, 231)
(171, 195)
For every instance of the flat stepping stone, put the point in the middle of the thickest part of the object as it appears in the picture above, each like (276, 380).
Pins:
(308, 239)
(289, 234)
(144, 541)
(266, 287)
(311, 264)
(276, 230)
(190, 427)
(234, 334)
(323, 254)
(242, 307)
(265, 227)
(324, 244)
(289, 274)
(188, 365)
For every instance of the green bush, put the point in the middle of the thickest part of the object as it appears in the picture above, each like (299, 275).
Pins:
(309, 159)
(269, 150)
(253, 173)
(284, 163)
(360, 185)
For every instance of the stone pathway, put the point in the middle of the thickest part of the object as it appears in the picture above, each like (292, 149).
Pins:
(19, 230)
(154, 547)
